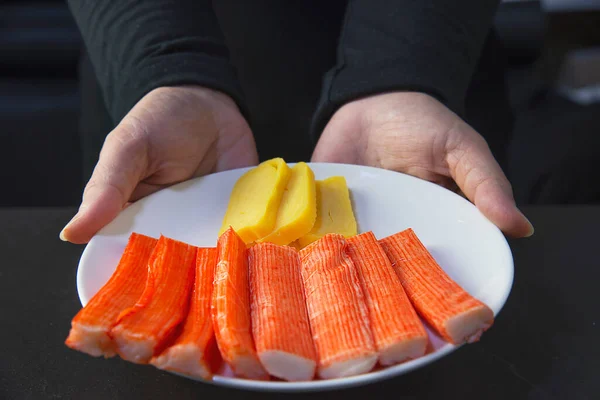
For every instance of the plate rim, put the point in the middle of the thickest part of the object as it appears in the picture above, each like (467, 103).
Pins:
(328, 384)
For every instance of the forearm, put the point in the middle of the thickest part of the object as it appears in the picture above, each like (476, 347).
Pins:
(430, 46)
(137, 46)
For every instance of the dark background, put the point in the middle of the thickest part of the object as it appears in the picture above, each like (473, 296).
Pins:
(553, 53)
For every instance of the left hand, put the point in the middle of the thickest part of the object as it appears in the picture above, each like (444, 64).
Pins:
(172, 134)
(416, 134)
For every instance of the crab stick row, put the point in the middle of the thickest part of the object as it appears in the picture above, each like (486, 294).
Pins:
(332, 309)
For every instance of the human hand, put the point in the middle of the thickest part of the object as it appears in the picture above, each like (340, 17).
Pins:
(172, 134)
(416, 134)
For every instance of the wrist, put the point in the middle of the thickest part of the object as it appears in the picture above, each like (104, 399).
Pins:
(196, 96)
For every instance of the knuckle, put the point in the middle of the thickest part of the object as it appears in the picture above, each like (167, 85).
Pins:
(131, 134)
(98, 183)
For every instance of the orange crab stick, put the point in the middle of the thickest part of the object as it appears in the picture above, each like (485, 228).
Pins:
(279, 318)
(448, 308)
(91, 325)
(143, 329)
(231, 308)
(337, 312)
(398, 332)
(194, 352)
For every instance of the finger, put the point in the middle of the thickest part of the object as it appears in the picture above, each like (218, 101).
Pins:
(481, 179)
(330, 149)
(237, 152)
(122, 161)
(145, 189)
(427, 174)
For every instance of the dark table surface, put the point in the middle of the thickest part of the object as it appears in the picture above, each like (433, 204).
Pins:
(545, 343)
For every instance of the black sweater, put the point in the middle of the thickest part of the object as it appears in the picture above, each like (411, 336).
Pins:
(430, 46)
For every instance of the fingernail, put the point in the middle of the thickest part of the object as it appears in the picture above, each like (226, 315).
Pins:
(62, 235)
(531, 228)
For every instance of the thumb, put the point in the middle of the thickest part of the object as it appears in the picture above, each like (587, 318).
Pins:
(476, 172)
(122, 162)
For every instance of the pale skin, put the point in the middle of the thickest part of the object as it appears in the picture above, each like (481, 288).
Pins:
(416, 134)
(169, 136)
(177, 133)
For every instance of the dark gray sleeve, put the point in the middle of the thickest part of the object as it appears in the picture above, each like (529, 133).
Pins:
(136, 46)
(429, 46)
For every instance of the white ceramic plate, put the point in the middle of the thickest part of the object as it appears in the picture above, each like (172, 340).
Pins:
(466, 245)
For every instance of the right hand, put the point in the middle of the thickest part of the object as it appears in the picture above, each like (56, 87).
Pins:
(416, 134)
(171, 135)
